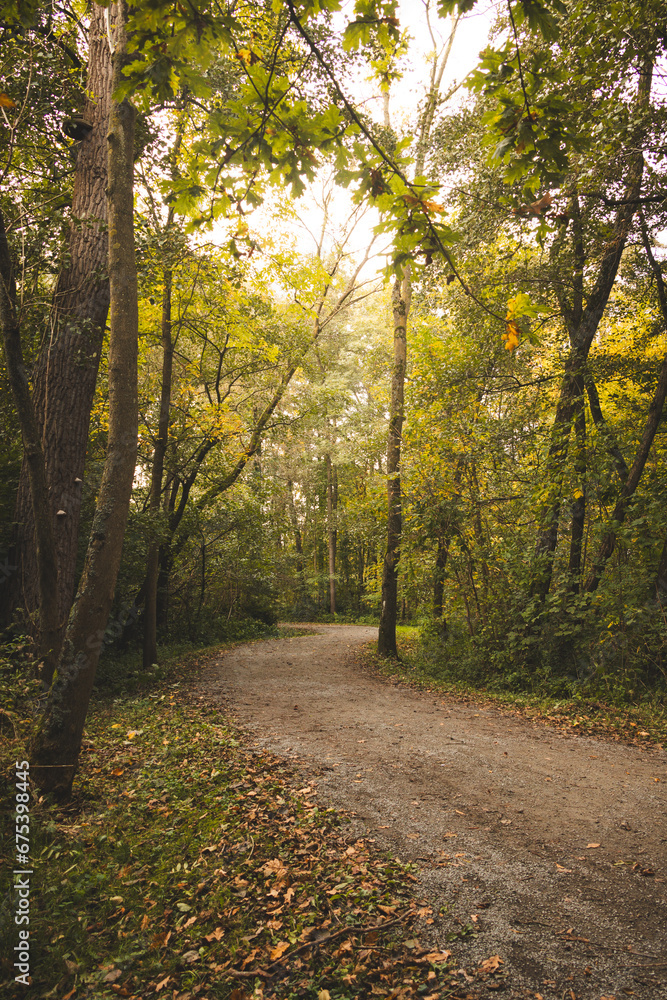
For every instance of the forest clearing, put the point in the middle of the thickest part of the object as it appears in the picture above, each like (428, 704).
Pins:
(350, 315)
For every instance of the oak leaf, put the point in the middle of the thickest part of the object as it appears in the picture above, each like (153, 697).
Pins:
(279, 950)
(491, 964)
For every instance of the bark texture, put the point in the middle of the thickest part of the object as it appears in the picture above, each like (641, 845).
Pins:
(57, 742)
(155, 495)
(66, 371)
(331, 530)
(401, 297)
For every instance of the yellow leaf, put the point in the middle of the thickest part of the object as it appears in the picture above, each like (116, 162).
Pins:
(6, 101)
(279, 950)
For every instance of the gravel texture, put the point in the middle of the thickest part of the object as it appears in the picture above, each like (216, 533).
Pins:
(546, 849)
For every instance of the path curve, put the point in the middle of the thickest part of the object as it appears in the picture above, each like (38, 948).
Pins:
(500, 812)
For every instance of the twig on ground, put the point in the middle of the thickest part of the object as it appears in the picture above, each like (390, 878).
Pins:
(274, 968)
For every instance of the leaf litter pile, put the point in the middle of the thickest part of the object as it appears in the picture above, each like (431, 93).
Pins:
(190, 866)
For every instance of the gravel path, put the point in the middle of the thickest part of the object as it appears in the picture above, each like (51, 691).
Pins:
(548, 850)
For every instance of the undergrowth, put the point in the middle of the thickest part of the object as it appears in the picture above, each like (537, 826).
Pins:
(581, 708)
(189, 865)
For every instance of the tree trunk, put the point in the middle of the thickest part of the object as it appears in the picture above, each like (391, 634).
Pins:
(47, 565)
(298, 541)
(155, 494)
(401, 307)
(579, 502)
(441, 557)
(66, 372)
(401, 297)
(331, 534)
(661, 576)
(604, 430)
(650, 427)
(57, 741)
(608, 543)
(582, 325)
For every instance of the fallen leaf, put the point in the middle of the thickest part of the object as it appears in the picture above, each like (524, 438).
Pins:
(491, 964)
(279, 950)
(112, 976)
(162, 984)
(324, 995)
(161, 940)
(592, 845)
(190, 956)
(216, 935)
(273, 867)
(437, 956)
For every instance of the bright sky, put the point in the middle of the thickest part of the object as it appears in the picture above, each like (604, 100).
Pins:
(471, 37)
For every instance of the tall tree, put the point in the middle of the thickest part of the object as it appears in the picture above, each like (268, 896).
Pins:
(65, 374)
(582, 314)
(401, 298)
(57, 741)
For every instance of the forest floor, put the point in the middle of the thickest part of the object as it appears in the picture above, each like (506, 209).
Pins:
(545, 849)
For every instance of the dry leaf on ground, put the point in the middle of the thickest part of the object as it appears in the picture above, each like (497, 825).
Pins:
(491, 964)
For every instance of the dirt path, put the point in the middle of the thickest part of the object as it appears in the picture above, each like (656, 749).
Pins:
(552, 848)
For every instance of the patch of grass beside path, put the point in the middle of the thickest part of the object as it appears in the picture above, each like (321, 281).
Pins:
(189, 865)
(643, 724)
